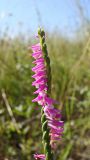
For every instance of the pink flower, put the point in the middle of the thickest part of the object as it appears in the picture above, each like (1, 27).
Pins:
(54, 122)
(40, 75)
(53, 115)
(39, 156)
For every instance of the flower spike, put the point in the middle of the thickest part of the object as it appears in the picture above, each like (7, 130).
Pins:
(52, 126)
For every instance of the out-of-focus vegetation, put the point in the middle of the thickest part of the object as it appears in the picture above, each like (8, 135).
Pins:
(20, 128)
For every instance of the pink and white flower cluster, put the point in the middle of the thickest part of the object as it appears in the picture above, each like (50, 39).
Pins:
(53, 115)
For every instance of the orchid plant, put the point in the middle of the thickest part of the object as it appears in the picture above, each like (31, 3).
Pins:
(52, 126)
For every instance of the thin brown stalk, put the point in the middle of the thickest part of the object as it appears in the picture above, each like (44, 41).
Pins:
(8, 107)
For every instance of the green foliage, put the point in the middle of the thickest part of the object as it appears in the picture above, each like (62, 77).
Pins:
(70, 63)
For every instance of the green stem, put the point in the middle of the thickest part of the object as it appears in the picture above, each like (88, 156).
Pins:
(45, 129)
(46, 137)
(41, 34)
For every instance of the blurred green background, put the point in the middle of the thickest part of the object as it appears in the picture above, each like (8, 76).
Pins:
(20, 127)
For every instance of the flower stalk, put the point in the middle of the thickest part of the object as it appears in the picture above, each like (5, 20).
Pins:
(45, 129)
(46, 137)
(41, 35)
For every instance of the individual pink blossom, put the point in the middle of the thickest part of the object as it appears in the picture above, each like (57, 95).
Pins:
(39, 156)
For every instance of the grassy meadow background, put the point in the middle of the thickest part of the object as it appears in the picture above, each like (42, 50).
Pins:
(20, 128)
